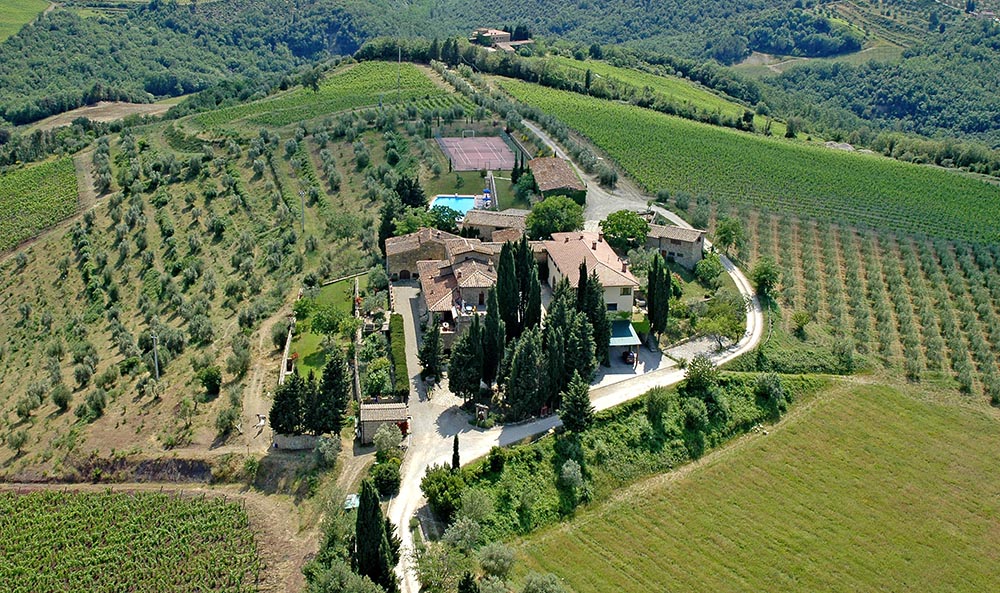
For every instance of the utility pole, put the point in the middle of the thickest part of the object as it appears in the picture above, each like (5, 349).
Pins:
(156, 356)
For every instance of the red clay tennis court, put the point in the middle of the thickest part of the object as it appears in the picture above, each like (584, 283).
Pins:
(478, 153)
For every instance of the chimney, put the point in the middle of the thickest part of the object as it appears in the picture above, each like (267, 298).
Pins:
(624, 267)
(458, 274)
(594, 245)
(565, 239)
(600, 237)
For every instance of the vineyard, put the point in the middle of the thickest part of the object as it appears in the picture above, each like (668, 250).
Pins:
(671, 87)
(116, 541)
(664, 152)
(35, 198)
(368, 83)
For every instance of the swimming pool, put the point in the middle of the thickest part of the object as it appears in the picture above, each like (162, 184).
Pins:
(461, 203)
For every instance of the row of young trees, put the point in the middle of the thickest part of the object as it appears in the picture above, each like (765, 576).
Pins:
(310, 406)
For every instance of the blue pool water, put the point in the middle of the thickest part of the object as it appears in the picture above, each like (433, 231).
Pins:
(461, 203)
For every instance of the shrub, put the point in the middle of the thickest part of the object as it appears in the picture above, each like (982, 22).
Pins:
(211, 379)
(443, 489)
(387, 439)
(386, 477)
(279, 332)
(226, 421)
(327, 450)
(497, 559)
(771, 393)
(61, 396)
(542, 583)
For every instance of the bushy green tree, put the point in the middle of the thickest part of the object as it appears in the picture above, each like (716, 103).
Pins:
(211, 379)
(765, 276)
(625, 229)
(443, 489)
(555, 214)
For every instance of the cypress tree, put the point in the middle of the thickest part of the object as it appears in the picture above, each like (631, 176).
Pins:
(310, 403)
(465, 369)
(456, 461)
(524, 261)
(555, 362)
(493, 339)
(526, 385)
(430, 351)
(658, 301)
(579, 352)
(434, 52)
(577, 413)
(373, 554)
(286, 410)
(597, 315)
(581, 287)
(533, 307)
(508, 297)
(334, 393)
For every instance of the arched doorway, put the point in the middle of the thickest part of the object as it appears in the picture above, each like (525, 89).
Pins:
(404, 274)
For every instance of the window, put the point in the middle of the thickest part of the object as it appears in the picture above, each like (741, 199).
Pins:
(626, 291)
(612, 306)
(675, 242)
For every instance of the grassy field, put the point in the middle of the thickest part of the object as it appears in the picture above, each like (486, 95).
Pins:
(661, 151)
(365, 84)
(674, 88)
(14, 14)
(125, 542)
(34, 198)
(863, 489)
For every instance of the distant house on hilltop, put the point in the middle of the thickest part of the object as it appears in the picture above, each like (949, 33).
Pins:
(496, 39)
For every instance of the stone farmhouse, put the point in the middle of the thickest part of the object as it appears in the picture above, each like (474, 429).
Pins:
(402, 253)
(677, 244)
(566, 251)
(486, 223)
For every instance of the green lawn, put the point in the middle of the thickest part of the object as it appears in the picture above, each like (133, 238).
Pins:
(862, 489)
(307, 344)
(14, 14)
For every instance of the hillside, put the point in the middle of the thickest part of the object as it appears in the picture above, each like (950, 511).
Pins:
(805, 180)
(864, 488)
(204, 242)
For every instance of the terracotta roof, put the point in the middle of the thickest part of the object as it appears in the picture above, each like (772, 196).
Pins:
(404, 243)
(506, 219)
(383, 412)
(568, 250)
(461, 245)
(505, 235)
(438, 289)
(670, 231)
(474, 274)
(552, 173)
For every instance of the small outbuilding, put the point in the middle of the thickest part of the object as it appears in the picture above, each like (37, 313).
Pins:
(372, 416)
(556, 177)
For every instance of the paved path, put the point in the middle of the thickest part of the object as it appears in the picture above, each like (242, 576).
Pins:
(437, 419)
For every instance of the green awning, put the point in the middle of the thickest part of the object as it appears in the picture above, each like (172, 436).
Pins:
(623, 334)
